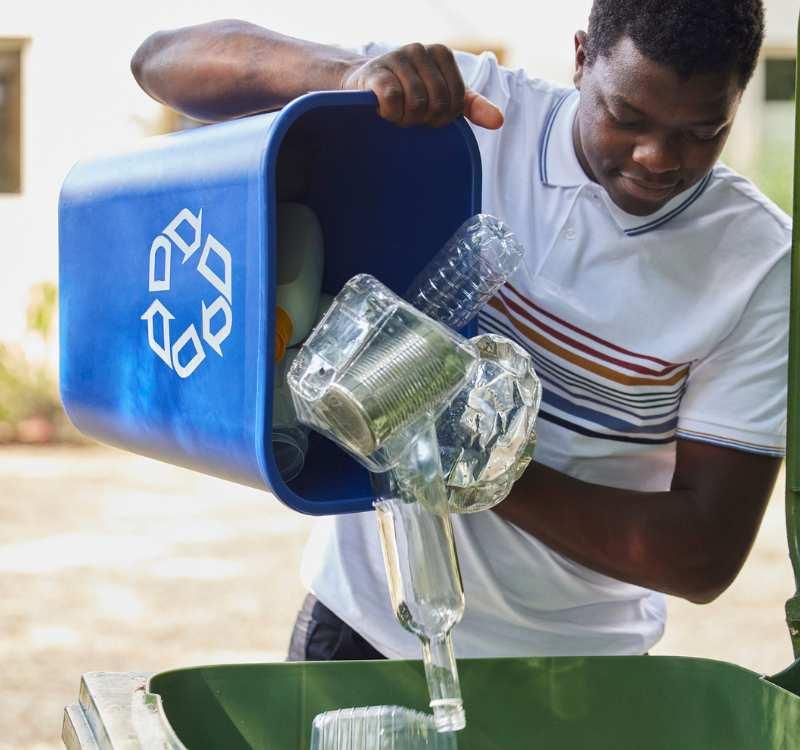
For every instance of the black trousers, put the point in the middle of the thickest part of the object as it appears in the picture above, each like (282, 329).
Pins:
(319, 635)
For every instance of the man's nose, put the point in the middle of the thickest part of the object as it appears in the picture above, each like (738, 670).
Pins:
(657, 154)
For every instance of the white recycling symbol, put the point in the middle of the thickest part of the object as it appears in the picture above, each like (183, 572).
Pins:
(186, 353)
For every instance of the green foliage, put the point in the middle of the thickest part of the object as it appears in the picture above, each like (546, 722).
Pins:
(774, 171)
(30, 408)
(42, 308)
(25, 390)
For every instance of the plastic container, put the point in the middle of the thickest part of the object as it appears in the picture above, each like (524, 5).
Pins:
(374, 371)
(378, 728)
(289, 436)
(461, 278)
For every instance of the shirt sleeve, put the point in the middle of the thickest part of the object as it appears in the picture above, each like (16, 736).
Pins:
(736, 396)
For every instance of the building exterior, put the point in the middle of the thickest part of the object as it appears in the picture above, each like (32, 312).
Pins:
(66, 91)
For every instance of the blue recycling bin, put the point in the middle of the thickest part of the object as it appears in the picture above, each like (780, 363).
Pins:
(167, 267)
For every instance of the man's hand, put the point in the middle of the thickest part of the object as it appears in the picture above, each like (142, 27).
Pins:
(421, 85)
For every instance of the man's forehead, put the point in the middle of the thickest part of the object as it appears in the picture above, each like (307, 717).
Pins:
(626, 77)
(718, 108)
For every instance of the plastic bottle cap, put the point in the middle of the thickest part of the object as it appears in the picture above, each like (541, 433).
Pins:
(283, 332)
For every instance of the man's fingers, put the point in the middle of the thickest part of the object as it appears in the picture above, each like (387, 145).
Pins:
(415, 92)
(439, 95)
(418, 85)
(389, 90)
(446, 62)
(479, 110)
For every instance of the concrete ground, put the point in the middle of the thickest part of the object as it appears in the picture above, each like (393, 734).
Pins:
(109, 561)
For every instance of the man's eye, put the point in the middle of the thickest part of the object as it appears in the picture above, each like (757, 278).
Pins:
(623, 123)
(705, 135)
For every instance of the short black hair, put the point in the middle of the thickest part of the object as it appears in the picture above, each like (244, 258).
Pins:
(687, 36)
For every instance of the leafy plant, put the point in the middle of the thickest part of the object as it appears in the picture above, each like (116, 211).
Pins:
(42, 308)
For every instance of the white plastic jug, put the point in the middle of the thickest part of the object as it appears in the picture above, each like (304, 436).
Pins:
(299, 273)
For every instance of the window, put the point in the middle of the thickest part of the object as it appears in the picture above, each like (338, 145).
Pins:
(10, 116)
(779, 77)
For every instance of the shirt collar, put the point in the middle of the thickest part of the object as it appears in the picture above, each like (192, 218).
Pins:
(559, 167)
(558, 163)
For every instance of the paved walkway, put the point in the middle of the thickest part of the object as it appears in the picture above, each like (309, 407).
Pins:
(109, 561)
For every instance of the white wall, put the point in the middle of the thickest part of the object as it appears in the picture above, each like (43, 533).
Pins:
(79, 96)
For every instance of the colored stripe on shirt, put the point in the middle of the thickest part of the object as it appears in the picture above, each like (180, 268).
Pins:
(589, 384)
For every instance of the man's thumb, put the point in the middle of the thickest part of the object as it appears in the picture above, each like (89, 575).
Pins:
(479, 110)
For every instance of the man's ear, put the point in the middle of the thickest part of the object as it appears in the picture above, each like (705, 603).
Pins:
(580, 57)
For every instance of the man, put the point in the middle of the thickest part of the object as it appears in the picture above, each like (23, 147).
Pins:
(653, 298)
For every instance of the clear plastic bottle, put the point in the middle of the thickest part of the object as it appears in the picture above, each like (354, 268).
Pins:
(461, 278)
(378, 728)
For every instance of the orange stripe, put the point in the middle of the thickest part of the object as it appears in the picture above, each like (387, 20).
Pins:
(575, 359)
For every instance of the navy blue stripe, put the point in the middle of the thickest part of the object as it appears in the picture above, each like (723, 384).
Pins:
(606, 420)
(655, 398)
(579, 397)
(726, 443)
(544, 140)
(650, 226)
(547, 417)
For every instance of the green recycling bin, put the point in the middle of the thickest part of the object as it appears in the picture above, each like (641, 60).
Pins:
(602, 703)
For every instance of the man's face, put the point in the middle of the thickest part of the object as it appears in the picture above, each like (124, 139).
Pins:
(642, 132)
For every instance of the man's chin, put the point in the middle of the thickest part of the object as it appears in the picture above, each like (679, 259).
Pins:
(638, 204)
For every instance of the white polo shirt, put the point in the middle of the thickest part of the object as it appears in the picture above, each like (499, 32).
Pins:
(642, 330)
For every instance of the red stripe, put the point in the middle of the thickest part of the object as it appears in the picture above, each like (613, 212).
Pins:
(582, 347)
(668, 365)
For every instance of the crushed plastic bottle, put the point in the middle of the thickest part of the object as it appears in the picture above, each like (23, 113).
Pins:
(378, 728)
(486, 435)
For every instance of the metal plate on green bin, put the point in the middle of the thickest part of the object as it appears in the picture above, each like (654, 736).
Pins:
(602, 703)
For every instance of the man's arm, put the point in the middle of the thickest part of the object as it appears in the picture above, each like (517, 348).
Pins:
(690, 542)
(224, 69)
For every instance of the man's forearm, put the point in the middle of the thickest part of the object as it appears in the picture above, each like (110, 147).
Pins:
(226, 69)
(660, 540)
